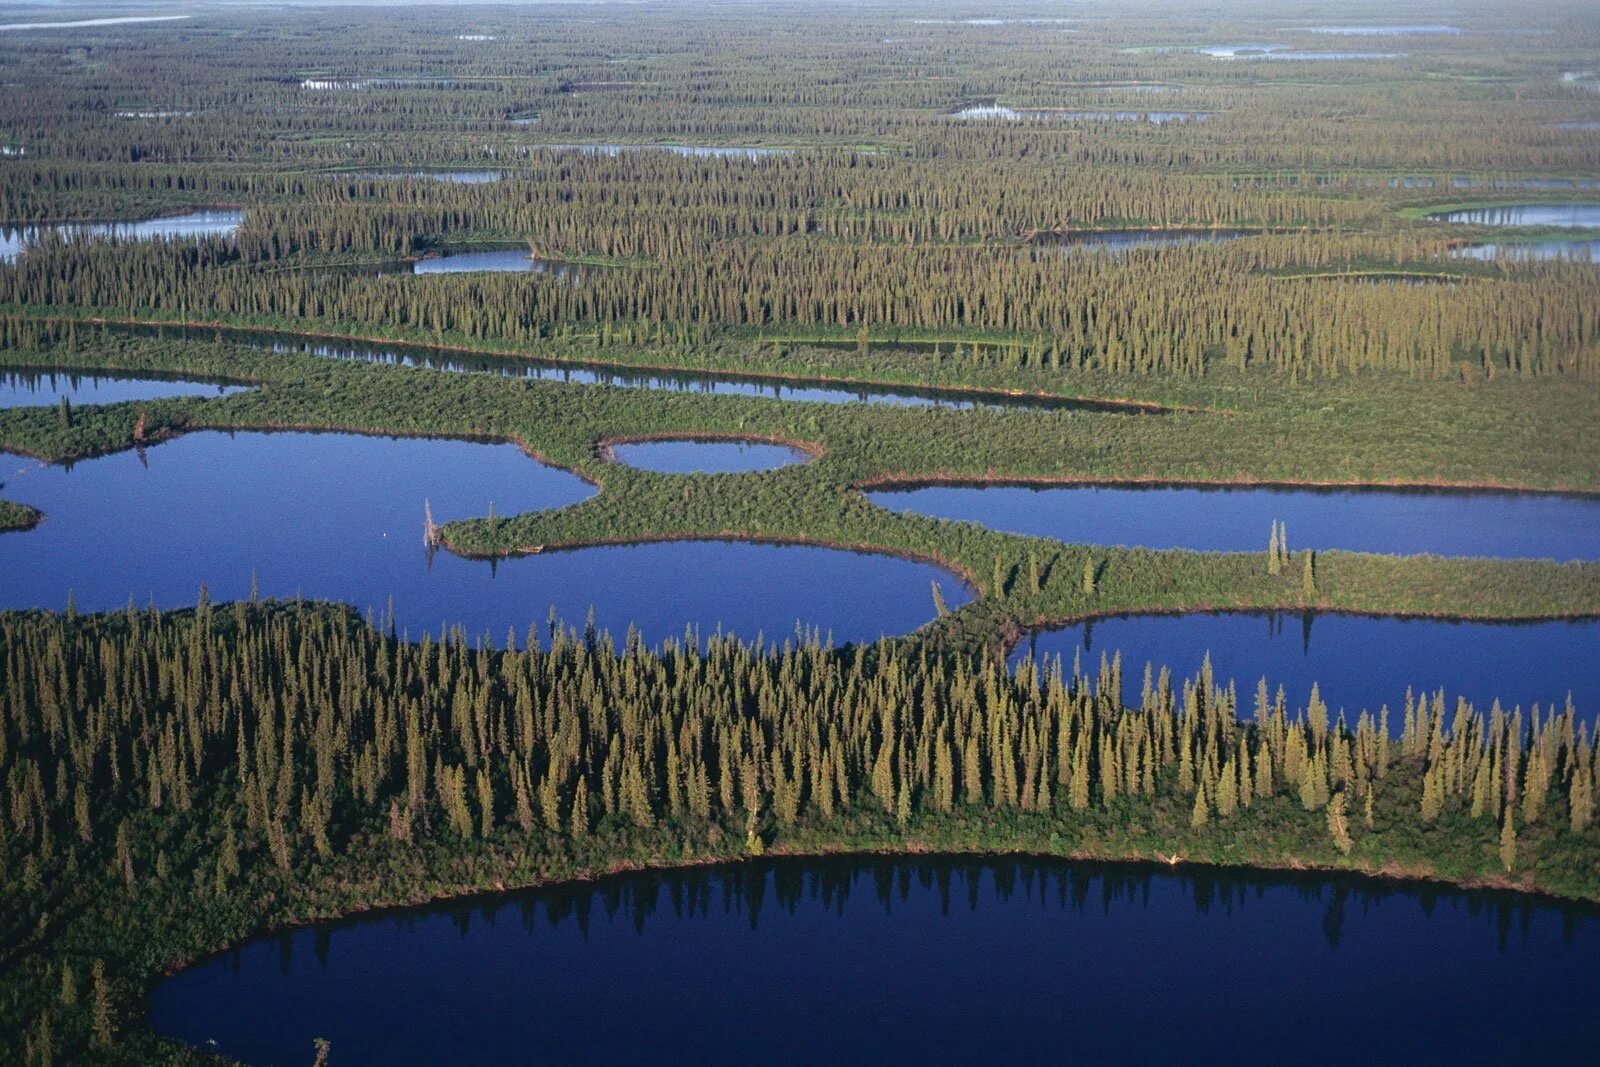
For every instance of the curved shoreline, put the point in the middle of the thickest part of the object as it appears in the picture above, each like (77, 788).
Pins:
(1389, 875)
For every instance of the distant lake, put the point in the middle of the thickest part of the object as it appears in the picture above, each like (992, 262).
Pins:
(1009, 114)
(340, 517)
(703, 150)
(1573, 250)
(1398, 522)
(1585, 216)
(951, 961)
(453, 177)
(1123, 240)
(207, 223)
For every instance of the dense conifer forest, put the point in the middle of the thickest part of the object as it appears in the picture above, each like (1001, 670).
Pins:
(1136, 261)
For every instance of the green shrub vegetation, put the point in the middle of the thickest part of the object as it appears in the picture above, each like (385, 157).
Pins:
(176, 782)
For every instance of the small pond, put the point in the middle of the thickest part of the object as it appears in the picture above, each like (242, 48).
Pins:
(513, 260)
(341, 517)
(688, 456)
(914, 961)
(1395, 522)
(40, 388)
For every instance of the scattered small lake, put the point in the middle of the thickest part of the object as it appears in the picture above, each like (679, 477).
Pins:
(515, 260)
(208, 223)
(1008, 114)
(799, 391)
(705, 457)
(340, 517)
(1123, 240)
(36, 388)
(1385, 31)
(121, 21)
(1577, 124)
(692, 150)
(1584, 216)
(453, 177)
(1284, 52)
(917, 960)
(1395, 522)
(1518, 663)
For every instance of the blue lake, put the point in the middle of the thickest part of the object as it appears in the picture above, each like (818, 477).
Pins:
(209, 223)
(915, 961)
(1506, 525)
(340, 517)
(1356, 661)
(33, 388)
(706, 457)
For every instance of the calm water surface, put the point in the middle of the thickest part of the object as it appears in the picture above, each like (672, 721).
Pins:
(1356, 661)
(707, 457)
(1577, 251)
(926, 961)
(513, 260)
(210, 223)
(1505, 525)
(340, 517)
(32, 388)
(693, 150)
(1584, 216)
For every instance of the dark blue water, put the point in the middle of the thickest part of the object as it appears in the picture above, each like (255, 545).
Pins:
(28, 388)
(1503, 525)
(340, 517)
(215, 222)
(1357, 662)
(707, 457)
(591, 374)
(927, 961)
(1583, 216)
